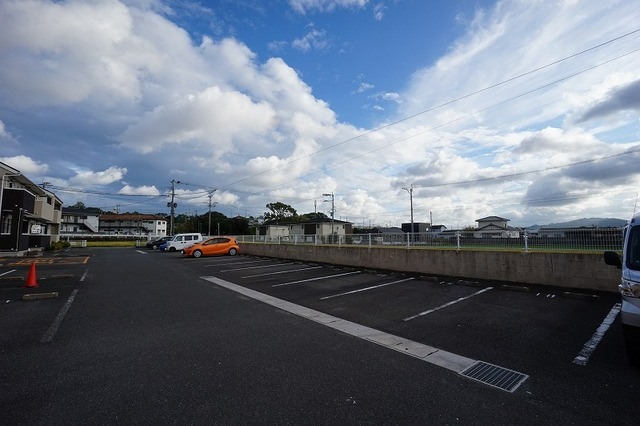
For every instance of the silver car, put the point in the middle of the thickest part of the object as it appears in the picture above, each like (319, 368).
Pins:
(629, 287)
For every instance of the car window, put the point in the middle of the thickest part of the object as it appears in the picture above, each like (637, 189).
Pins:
(633, 248)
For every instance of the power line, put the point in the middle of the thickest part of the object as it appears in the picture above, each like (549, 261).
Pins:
(430, 109)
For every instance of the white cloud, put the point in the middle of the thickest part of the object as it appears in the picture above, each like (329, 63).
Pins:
(26, 165)
(105, 177)
(214, 112)
(140, 190)
(378, 11)
(314, 39)
(304, 6)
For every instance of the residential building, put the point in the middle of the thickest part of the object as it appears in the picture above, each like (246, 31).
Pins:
(306, 230)
(30, 215)
(495, 227)
(133, 224)
(80, 221)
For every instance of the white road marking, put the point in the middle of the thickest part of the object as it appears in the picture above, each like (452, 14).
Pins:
(256, 267)
(365, 289)
(590, 346)
(84, 275)
(453, 302)
(142, 252)
(51, 332)
(8, 272)
(326, 277)
(214, 263)
(421, 351)
(282, 272)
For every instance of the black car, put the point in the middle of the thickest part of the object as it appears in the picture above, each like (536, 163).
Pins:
(154, 244)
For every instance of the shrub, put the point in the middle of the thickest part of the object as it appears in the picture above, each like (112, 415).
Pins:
(57, 245)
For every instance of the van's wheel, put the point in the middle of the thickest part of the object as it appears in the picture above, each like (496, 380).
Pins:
(233, 252)
(172, 249)
(197, 253)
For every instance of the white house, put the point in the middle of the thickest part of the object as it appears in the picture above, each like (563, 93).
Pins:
(495, 227)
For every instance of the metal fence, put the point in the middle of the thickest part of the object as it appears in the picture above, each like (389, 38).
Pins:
(551, 239)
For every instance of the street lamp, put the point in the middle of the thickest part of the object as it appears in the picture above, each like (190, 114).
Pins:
(410, 191)
(333, 210)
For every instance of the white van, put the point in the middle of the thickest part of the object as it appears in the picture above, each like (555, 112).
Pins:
(629, 287)
(180, 241)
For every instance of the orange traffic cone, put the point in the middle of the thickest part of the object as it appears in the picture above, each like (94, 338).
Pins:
(31, 278)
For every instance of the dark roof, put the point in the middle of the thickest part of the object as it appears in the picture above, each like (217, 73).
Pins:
(389, 230)
(493, 219)
(111, 216)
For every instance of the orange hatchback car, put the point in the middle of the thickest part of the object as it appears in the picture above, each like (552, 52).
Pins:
(212, 247)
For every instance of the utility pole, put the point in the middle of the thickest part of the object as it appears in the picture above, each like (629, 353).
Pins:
(173, 204)
(333, 210)
(410, 191)
(214, 204)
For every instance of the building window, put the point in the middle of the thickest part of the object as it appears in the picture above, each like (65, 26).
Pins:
(6, 223)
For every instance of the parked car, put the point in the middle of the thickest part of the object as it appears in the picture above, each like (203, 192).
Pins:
(163, 246)
(180, 241)
(212, 247)
(154, 244)
(629, 287)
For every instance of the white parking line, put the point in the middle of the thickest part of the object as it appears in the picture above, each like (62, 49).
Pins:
(256, 267)
(282, 272)
(326, 277)
(51, 332)
(590, 346)
(365, 289)
(453, 302)
(8, 272)
(421, 351)
(86, 272)
(217, 263)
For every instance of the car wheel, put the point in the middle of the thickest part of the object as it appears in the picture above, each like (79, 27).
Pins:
(172, 249)
(197, 253)
(233, 252)
(155, 246)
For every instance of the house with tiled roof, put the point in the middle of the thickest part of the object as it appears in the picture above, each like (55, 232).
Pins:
(495, 227)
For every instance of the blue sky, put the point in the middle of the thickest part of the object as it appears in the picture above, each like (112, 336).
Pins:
(522, 109)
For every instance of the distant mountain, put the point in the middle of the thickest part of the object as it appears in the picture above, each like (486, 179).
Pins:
(598, 222)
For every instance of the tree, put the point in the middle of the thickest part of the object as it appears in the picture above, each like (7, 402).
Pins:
(279, 211)
(78, 205)
(309, 217)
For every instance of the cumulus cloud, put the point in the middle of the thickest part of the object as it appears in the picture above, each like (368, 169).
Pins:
(140, 190)
(105, 177)
(141, 92)
(214, 118)
(26, 165)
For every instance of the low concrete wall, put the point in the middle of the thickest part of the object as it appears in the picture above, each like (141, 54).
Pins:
(579, 271)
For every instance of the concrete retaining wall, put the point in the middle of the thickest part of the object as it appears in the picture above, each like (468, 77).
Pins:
(579, 271)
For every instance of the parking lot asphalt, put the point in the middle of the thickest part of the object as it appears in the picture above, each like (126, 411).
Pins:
(565, 347)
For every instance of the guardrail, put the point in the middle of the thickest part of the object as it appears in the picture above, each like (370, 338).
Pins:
(555, 239)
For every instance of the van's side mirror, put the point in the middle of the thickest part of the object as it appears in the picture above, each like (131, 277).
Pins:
(612, 258)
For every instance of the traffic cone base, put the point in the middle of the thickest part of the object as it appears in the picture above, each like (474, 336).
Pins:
(31, 278)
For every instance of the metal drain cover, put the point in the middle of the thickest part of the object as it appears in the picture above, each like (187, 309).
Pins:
(492, 375)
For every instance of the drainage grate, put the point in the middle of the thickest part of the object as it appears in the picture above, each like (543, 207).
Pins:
(492, 375)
